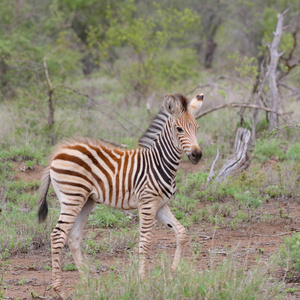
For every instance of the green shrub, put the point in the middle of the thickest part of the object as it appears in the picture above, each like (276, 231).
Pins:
(269, 148)
(294, 152)
(289, 252)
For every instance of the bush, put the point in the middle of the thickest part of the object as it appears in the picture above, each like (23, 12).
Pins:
(269, 149)
(289, 253)
(294, 152)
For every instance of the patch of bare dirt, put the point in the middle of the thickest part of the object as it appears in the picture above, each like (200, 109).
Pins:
(26, 275)
(28, 174)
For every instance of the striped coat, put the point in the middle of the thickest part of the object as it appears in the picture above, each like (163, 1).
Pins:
(84, 172)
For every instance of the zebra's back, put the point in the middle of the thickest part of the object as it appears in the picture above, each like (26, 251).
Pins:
(83, 168)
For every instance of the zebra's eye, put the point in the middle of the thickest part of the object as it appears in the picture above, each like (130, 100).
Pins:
(179, 129)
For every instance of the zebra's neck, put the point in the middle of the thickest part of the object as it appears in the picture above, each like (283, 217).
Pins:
(165, 155)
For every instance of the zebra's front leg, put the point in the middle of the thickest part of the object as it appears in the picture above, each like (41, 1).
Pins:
(147, 212)
(165, 216)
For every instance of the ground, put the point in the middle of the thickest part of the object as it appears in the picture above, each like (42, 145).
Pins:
(28, 275)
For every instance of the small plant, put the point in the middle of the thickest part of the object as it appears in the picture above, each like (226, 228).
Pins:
(107, 217)
(23, 281)
(266, 149)
(69, 267)
(289, 253)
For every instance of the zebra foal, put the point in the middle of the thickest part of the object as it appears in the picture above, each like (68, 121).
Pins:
(84, 172)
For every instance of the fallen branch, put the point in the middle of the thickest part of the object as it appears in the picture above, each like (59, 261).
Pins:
(239, 159)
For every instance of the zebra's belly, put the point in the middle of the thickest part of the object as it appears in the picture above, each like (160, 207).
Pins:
(126, 202)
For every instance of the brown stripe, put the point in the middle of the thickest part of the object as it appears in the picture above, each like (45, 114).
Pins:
(72, 194)
(102, 157)
(82, 163)
(72, 173)
(126, 158)
(117, 183)
(69, 204)
(86, 152)
(74, 184)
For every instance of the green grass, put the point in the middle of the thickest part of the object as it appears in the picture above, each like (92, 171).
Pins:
(227, 280)
(111, 241)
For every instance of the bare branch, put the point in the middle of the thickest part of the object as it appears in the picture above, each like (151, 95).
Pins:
(240, 160)
(293, 89)
(212, 172)
(273, 118)
(94, 103)
(213, 83)
(236, 104)
(50, 102)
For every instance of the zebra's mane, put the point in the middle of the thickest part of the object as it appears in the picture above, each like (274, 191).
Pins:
(156, 126)
(158, 123)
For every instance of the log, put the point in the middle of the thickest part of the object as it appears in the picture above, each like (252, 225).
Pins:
(239, 160)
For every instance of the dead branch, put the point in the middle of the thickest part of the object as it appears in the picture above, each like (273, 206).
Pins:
(240, 160)
(273, 117)
(212, 172)
(296, 92)
(50, 102)
(237, 104)
(94, 103)
(213, 83)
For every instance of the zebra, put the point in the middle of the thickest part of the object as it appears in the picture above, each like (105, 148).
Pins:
(84, 172)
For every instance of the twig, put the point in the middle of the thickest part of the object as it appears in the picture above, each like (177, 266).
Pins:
(212, 173)
(213, 83)
(94, 103)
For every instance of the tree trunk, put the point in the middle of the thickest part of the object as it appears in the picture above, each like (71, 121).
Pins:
(273, 117)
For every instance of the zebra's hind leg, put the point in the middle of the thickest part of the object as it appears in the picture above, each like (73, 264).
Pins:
(147, 212)
(76, 234)
(59, 236)
(165, 216)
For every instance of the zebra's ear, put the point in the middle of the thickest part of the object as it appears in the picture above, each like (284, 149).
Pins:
(195, 104)
(171, 105)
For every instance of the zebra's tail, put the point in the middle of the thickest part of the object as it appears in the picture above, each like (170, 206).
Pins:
(42, 198)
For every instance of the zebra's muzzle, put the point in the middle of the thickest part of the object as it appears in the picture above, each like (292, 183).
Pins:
(195, 155)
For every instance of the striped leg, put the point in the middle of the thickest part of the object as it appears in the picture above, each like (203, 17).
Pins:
(76, 233)
(59, 236)
(147, 212)
(165, 216)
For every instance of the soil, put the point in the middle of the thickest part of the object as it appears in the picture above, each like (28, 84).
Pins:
(25, 276)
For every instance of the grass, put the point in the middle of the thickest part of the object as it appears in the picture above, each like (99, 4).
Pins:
(111, 241)
(226, 280)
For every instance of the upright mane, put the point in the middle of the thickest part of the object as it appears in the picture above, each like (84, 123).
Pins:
(158, 123)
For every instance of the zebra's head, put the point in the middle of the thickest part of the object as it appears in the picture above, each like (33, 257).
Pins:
(184, 125)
